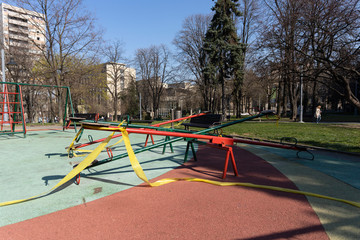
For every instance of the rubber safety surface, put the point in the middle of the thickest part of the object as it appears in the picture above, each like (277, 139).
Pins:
(180, 210)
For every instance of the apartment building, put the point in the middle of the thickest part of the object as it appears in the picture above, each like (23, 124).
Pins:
(119, 74)
(21, 30)
(118, 79)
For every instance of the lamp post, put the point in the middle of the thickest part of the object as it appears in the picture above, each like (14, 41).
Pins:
(301, 98)
(140, 106)
(356, 95)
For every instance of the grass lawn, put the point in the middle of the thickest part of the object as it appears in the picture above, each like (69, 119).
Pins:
(343, 137)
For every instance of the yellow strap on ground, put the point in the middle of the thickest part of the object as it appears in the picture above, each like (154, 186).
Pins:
(86, 152)
(81, 166)
(140, 173)
(243, 184)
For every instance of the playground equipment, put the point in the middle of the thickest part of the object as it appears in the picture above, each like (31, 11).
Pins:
(220, 142)
(283, 144)
(212, 140)
(217, 141)
(12, 106)
(11, 109)
(79, 117)
(154, 127)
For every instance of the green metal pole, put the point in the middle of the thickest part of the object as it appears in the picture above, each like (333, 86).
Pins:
(65, 111)
(141, 126)
(68, 102)
(16, 99)
(22, 111)
(178, 139)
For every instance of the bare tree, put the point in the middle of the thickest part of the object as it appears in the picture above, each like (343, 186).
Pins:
(332, 30)
(115, 73)
(155, 72)
(189, 42)
(281, 39)
(247, 23)
(88, 82)
(318, 40)
(69, 31)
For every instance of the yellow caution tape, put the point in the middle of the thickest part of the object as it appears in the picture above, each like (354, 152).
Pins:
(73, 141)
(81, 166)
(277, 120)
(243, 184)
(86, 152)
(116, 143)
(140, 173)
(121, 139)
(176, 125)
(179, 123)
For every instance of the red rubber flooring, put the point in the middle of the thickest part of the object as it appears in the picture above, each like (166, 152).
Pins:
(187, 210)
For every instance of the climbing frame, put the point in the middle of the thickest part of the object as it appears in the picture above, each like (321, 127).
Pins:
(11, 110)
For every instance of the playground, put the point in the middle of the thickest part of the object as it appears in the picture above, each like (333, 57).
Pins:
(111, 201)
(132, 181)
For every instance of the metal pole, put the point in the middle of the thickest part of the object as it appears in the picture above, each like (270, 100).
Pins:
(172, 117)
(301, 99)
(356, 95)
(259, 108)
(6, 116)
(140, 106)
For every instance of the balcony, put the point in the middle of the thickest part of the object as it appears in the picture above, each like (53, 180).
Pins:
(19, 36)
(17, 22)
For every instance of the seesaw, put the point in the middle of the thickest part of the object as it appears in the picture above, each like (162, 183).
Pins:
(154, 126)
(219, 142)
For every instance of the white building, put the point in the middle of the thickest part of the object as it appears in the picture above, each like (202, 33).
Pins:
(118, 79)
(22, 30)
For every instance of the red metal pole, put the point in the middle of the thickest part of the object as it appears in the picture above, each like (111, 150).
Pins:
(147, 137)
(267, 144)
(178, 119)
(154, 132)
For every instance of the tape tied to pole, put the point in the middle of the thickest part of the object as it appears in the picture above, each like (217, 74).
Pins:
(140, 173)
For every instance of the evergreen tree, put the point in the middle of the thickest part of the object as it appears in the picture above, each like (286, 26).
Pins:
(222, 49)
(130, 100)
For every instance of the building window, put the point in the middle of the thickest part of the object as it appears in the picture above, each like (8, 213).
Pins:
(122, 83)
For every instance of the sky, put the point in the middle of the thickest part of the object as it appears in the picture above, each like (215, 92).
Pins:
(143, 23)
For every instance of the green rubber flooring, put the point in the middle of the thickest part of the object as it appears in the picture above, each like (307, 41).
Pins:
(36, 163)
